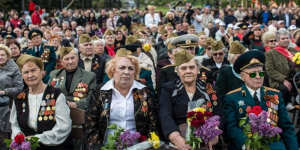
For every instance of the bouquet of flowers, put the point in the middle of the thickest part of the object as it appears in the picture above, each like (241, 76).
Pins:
(260, 133)
(296, 58)
(203, 127)
(22, 143)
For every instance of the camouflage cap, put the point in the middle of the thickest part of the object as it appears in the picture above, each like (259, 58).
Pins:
(236, 48)
(182, 56)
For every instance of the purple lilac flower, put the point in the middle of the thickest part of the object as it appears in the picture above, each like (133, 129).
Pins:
(26, 145)
(259, 124)
(127, 138)
(209, 130)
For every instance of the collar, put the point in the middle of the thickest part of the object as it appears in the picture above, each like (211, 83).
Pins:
(252, 92)
(86, 57)
(110, 85)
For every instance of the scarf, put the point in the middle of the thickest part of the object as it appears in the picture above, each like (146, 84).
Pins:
(110, 50)
(284, 52)
(297, 48)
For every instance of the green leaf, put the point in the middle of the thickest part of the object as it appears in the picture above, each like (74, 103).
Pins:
(7, 142)
(242, 122)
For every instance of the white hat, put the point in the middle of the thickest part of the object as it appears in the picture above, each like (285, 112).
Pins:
(292, 27)
(230, 25)
(235, 27)
(222, 23)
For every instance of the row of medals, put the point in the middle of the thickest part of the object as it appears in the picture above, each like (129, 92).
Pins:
(47, 107)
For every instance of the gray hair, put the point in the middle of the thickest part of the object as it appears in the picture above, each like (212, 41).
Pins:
(280, 33)
(99, 41)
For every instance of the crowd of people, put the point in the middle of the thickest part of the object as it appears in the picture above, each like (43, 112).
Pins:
(67, 75)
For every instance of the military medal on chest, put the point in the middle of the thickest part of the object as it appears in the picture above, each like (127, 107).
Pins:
(80, 91)
(272, 102)
(45, 56)
(47, 111)
(212, 93)
(57, 81)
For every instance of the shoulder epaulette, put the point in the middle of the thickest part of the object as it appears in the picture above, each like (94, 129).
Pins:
(233, 91)
(206, 68)
(271, 89)
(167, 66)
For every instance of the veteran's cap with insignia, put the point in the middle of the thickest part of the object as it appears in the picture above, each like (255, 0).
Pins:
(209, 42)
(24, 58)
(249, 59)
(109, 32)
(236, 48)
(84, 38)
(95, 38)
(217, 45)
(35, 32)
(63, 51)
(187, 40)
(182, 56)
(122, 52)
(10, 35)
(243, 25)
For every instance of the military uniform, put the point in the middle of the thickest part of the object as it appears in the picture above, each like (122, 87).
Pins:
(214, 70)
(239, 101)
(46, 53)
(83, 83)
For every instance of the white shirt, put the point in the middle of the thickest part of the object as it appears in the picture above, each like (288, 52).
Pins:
(219, 65)
(62, 128)
(252, 92)
(121, 108)
(152, 20)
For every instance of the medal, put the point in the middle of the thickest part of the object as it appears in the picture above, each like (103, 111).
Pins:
(215, 103)
(40, 118)
(241, 110)
(23, 106)
(47, 96)
(45, 118)
(48, 108)
(44, 103)
(50, 117)
(53, 108)
(52, 95)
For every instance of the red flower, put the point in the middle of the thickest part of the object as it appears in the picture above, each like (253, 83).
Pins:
(19, 138)
(276, 97)
(199, 115)
(142, 138)
(214, 97)
(190, 114)
(248, 109)
(208, 114)
(196, 123)
(256, 110)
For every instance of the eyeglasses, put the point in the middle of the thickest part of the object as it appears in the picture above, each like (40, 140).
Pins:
(220, 54)
(272, 41)
(253, 74)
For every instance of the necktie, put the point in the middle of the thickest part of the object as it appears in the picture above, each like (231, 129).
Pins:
(255, 98)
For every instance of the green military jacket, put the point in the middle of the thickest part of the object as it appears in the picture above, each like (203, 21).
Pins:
(82, 86)
(236, 103)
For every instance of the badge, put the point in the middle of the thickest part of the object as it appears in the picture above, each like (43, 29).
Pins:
(208, 104)
(45, 118)
(50, 117)
(53, 108)
(48, 108)
(241, 110)
(243, 93)
(23, 105)
(215, 103)
(241, 103)
(44, 103)
(268, 103)
(47, 96)
(40, 118)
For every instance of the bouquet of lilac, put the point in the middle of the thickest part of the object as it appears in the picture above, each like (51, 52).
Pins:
(120, 139)
(260, 133)
(127, 139)
(20, 142)
(209, 129)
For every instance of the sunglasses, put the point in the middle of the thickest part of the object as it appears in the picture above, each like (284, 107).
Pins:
(272, 41)
(253, 74)
(220, 54)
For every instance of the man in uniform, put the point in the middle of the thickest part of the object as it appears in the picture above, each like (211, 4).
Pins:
(216, 62)
(88, 60)
(39, 49)
(76, 83)
(250, 66)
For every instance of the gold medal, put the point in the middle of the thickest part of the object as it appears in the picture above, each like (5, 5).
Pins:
(50, 117)
(210, 110)
(47, 96)
(48, 108)
(241, 110)
(45, 118)
(53, 108)
(80, 95)
(52, 95)
(23, 105)
(40, 118)
(215, 103)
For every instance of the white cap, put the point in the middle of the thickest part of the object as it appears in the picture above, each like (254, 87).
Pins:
(230, 25)
(292, 27)
(236, 27)
(222, 23)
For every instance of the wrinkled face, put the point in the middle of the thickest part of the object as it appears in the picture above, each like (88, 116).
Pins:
(124, 73)
(87, 49)
(110, 39)
(3, 57)
(15, 51)
(187, 72)
(218, 56)
(284, 41)
(99, 48)
(36, 40)
(32, 74)
(70, 61)
(271, 43)
(253, 82)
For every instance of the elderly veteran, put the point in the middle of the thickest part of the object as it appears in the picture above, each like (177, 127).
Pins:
(11, 84)
(187, 41)
(76, 83)
(217, 62)
(39, 49)
(176, 96)
(250, 66)
(99, 45)
(228, 79)
(40, 110)
(122, 101)
(88, 60)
